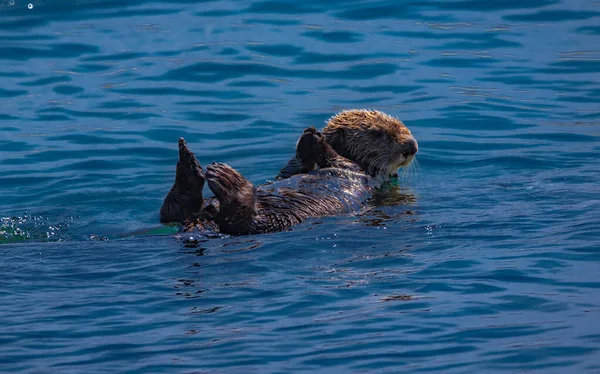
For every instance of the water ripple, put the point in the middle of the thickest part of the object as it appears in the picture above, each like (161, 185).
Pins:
(481, 257)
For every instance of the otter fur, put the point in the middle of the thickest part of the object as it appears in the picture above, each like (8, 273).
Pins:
(333, 172)
(379, 143)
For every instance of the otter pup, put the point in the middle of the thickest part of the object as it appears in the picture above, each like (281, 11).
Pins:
(339, 186)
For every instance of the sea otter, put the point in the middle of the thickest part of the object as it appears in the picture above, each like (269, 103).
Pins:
(331, 174)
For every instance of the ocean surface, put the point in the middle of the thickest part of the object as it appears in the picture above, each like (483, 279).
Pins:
(484, 255)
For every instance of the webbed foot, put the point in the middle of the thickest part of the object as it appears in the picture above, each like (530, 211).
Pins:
(236, 195)
(185, 197)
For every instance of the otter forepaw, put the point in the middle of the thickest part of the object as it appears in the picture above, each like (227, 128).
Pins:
(313, 150)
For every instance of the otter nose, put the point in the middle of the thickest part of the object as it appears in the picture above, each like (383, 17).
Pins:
(411, 148)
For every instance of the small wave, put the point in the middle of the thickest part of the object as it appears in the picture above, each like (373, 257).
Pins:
(31, 227)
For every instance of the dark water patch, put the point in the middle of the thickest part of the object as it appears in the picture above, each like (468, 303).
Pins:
(319, 58)
(274, 22)
(228, 51)
(4, 93)
(196, 103)
(160, 91)
(281, 7)
(115, 115)
(313, 118)
(99, 165)
(580, 99)
(523, 302)
(59, 155)
(462, 40)
(589, 30)
(364, 102)
(123, 103)
(486, 6)
(383, 10)
(91, 68)
(162, 54)
(522, 356)
(15, 74)
(552, 16)
(8, 117)
(482, 45)
(461, 120)
(65, 89)
(14, 146)
(89, 139)
(462, 63)
(215, 117)
(27, 37)
(523, 76)
(591, 115)
(158, 135)
(116, 57)
(213, 72)
(47, 81)
(571, 66)
(441, 34)
(422, 99)
(20, 24)
(252, 84)
(498, 106)
(280, 50)
(217, 13)
(38, 19)
(53, 117)
(61, 51)
(334, 36)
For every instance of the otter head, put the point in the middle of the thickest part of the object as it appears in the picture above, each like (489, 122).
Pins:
(379, 143)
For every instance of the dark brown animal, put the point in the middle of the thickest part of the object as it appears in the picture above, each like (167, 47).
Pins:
(318, 181)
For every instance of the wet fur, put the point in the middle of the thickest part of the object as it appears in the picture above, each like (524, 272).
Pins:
(319, 181)
(380, 144)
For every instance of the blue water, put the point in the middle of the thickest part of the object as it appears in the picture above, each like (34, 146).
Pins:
(483, 257)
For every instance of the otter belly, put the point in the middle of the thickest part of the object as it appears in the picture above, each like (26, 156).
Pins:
(351, 189)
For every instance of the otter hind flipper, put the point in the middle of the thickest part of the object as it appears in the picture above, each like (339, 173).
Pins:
(236, 195)
(185, 197)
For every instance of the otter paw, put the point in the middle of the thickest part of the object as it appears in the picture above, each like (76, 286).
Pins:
(307, 149)
(312, 150)
(228, 185)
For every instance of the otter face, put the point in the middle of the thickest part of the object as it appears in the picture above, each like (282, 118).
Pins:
(379, 143)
